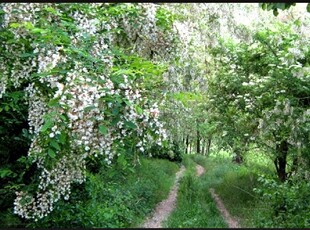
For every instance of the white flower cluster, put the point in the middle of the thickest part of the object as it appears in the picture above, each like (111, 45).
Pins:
(85, 25)
(47, 58)
(143, 34)
(86, 101)
(37, 108)
(20, 12)
(53, 184)
(3, 85)
(20, 69)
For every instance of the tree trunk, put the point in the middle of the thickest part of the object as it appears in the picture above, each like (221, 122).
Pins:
(198, 137)
(187, 144)
(198, 142)
(208, 146)
(281, 161)
(202, 147)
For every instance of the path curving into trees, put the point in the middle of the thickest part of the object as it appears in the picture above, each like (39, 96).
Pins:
(165, 207)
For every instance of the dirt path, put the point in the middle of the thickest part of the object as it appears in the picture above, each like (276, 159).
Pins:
(165, 207)
(232, 223)
(199, 170)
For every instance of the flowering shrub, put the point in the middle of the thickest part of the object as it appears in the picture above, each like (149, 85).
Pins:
(80, 102)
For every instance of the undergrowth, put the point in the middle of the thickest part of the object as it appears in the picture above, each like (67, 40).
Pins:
(114, 197)
(234, 183)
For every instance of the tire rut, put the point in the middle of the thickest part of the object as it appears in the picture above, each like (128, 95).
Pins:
(165, 207)
(232, 222)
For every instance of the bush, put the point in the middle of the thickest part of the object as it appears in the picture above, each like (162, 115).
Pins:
(289, 202)
(169, 151)
(114, 197)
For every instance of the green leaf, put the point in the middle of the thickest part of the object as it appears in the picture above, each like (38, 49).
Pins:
(89, 108)
(51, 153)
(115, 120)
(25, 55)
(5, 172)
(130, 124)
(281, 6)
(53, 102)
(62, 138)
(63, 117)
(48, 124)
(275, 12)
(51, 10)
(263, 5)
(308, 7)
(103, 130)
(28, 25)
(127, 102)
(121, 160)
(270, 6)
(139, 110)
(38, 30)
(55, 145)
(115, 111)
(14, 25)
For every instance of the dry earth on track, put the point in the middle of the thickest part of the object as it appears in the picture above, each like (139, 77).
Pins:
(165, 207)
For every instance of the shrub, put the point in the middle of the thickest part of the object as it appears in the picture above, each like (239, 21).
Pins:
(289, 202)
(169, 151)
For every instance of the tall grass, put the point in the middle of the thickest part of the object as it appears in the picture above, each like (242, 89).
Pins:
(234, 184)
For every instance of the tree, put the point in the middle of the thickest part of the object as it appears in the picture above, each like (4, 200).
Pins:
(262, 88)
(84, 90)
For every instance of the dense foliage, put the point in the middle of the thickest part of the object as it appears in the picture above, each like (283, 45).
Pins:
(87, 89)
(71, 92)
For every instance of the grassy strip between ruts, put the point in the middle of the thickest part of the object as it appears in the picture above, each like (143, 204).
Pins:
(234, 184)
(195, 206)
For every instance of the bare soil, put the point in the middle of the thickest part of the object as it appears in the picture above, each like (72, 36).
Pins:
(165, 207)
(232, 222)
(199, 170)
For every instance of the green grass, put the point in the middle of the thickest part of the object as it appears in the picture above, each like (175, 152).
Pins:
(114, 197)
(195, 206)
(234, 184)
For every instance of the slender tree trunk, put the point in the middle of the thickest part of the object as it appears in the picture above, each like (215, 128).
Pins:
(208, 146)
(187, 144)
(198, 142)
(202, 146)
(281, 160)
(198, 137)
